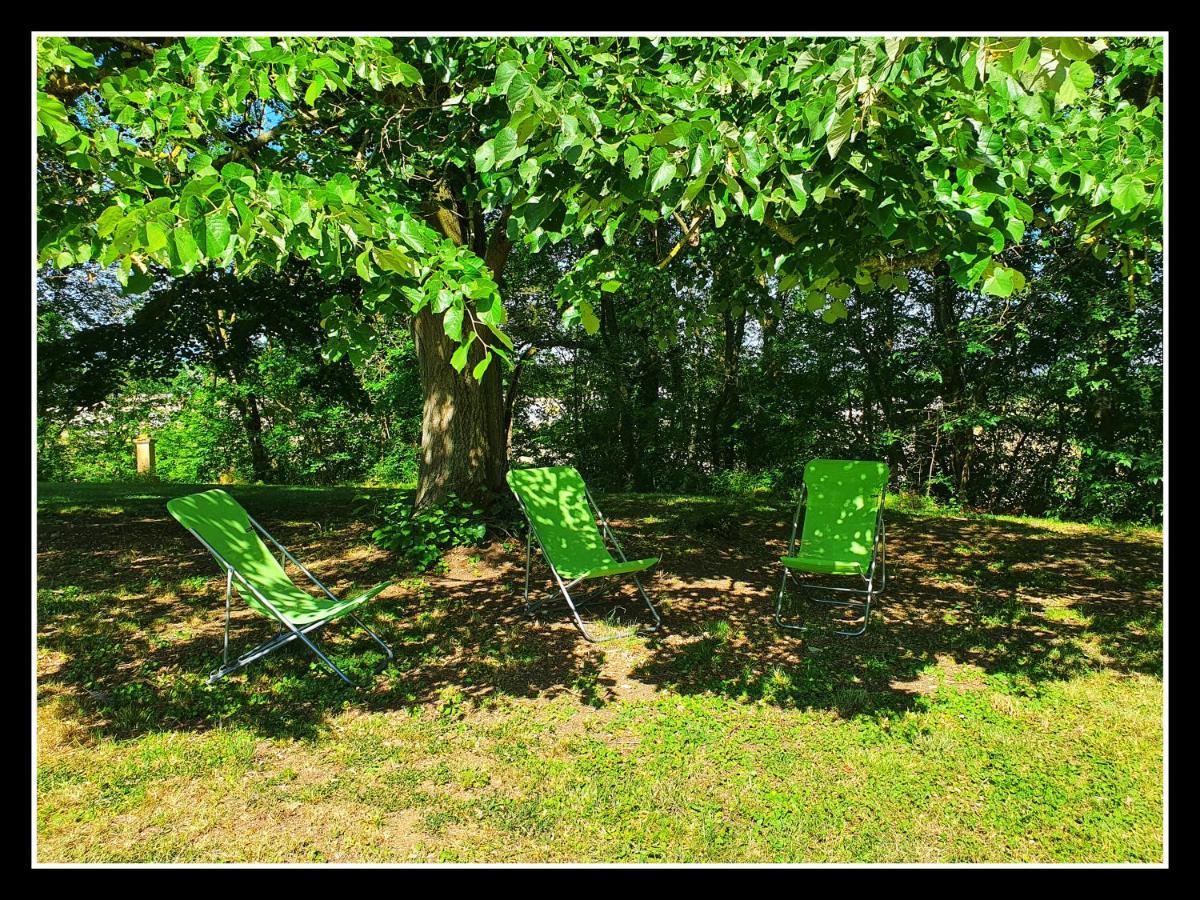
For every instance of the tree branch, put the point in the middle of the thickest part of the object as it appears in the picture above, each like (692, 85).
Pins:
(690, 236)
(140, 46)
(499, 245)
(510, 397)
(925, 260)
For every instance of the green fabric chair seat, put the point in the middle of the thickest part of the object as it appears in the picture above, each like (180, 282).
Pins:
(843, 534)
(224, 526)
(841, 512)
(563, 518)
(302, 608)
(821, 566)
(618, 568)
(556, 503)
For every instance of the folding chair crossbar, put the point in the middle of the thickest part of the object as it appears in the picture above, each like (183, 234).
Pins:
(289, 630)
(573, 604)
(878, 565)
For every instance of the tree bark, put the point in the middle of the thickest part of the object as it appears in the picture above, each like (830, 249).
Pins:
(724, 411)
(611, 338)
(463, 444)
(950, 364)
(462, 441)
(647, 420)
(251, 416)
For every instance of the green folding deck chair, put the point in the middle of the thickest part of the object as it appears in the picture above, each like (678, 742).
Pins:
(226, 530)
(842, 501)
(561, 516)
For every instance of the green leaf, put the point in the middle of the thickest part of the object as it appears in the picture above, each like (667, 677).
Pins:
(485, 156)
(1082, 75)
(185, 247)
(393, 259)
(314, 89)
(797, 184)
(718, 210)
(156, 237)
(1128, 193)
(108, 220)
(504, 75)
(838, 130)
(837, 310)
(1000, 283)
(505, 146)
(588, 319)
(362, 264)
(216, 234)
(481, 366)
(452, 323)
(519, 88)
(205, 49)
(138, 283)
(459, 360)
(409, 74)
(758, 209)
(663, 176)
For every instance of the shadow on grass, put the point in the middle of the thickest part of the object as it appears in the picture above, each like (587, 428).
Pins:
(1006, 599)
(129, 615)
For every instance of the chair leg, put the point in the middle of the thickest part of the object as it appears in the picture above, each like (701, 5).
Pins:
(575, 615)
(779, 605)
(228, 597)
(286, 636)
(250, 656)
(624, 634)
(649, 605)
(529, 610)
(865, 606)
(377, 638)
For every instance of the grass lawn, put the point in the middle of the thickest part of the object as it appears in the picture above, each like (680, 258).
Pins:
(1005, 704)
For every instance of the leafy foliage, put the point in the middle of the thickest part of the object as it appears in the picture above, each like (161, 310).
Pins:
(733, 253)
(420, 537)
(846, 158)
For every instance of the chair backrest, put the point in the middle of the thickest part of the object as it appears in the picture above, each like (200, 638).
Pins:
(556, 502)
(224, 525)
(842, 508)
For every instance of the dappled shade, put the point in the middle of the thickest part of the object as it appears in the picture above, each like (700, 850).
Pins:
(841, 511)
(555, 500)
(222, 523)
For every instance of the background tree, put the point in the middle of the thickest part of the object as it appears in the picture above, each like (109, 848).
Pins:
(417, 164)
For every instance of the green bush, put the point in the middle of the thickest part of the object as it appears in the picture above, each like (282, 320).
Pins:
(420, 538)
(396, 467)
(734, 481)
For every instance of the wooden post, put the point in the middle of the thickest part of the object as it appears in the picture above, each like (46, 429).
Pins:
(145, 455)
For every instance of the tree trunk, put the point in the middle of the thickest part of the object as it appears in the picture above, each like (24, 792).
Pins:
(647, 414)
(723, 413)
(247, 407)
(610, 335)
(462, 435)
(951, 366)
(463, 444)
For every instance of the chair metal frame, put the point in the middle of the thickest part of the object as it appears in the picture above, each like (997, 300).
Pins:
(573, 605)
(289, 632)
(878, 557)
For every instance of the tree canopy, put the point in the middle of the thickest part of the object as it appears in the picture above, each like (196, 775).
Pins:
(851, 161)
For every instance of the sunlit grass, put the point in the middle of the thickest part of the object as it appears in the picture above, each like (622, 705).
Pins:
(1030, 728)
